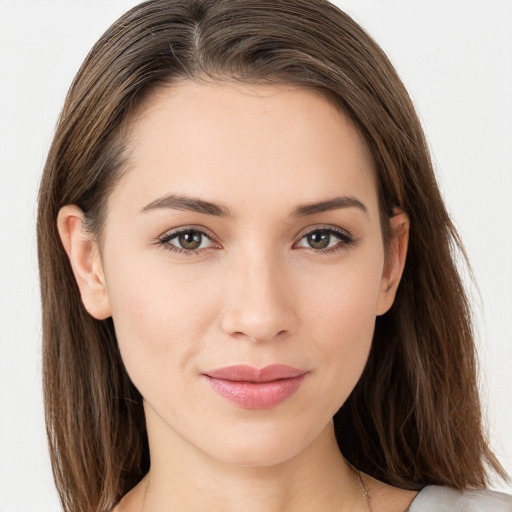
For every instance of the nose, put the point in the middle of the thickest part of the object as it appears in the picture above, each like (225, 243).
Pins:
(259, 300)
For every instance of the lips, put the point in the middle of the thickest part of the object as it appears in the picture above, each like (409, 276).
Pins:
(255, 388)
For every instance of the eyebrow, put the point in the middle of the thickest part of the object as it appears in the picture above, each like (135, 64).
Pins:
(194, 204)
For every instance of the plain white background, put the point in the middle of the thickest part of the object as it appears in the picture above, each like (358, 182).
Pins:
(454, 56)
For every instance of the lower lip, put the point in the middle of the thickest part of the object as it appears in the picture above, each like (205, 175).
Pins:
(256, 395)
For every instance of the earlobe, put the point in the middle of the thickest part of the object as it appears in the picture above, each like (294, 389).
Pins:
(395, 261)
(84, 257)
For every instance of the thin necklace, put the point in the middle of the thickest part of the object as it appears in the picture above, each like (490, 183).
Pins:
(366, 495)
(144, 496)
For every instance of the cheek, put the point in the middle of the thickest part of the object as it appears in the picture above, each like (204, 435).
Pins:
(159, 318)
(345, 300)
(342, 318)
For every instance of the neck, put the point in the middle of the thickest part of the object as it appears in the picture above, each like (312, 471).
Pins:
(184, 478)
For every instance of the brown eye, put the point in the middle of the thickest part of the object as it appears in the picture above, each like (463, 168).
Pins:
(186, 241)
(190, 239)
(326, 240)
(319, 239)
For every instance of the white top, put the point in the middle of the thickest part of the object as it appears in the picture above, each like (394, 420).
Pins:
(434, 498)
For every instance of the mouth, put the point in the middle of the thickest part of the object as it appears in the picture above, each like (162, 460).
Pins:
(256, 388)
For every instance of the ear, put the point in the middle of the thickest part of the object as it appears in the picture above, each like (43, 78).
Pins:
(84, 256)
(395, 261)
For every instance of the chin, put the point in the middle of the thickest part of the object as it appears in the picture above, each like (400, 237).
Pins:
(263, 447)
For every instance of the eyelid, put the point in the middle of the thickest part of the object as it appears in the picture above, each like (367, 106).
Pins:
(323, 227)
(193, 227)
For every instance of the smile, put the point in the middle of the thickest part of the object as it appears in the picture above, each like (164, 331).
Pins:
(253, 388)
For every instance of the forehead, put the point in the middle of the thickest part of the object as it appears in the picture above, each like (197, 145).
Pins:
(235, 142)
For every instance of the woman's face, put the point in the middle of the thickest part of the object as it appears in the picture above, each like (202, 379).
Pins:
(245, 232)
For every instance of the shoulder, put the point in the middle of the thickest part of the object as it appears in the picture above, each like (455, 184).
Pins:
(445, 499)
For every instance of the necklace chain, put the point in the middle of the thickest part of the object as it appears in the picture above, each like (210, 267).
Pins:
(144, 497)
(366, 495)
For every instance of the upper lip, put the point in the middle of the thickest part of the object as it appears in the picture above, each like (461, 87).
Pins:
(246, 373)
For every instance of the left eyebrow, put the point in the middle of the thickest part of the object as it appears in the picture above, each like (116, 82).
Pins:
(194, 204)
(335, 203)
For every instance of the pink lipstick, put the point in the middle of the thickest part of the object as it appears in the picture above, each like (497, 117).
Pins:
(255, 388)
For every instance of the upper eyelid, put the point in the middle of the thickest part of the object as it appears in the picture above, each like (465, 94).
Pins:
(200, 229)
(326, 227)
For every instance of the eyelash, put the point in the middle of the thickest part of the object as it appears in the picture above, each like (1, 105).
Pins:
(346, 239)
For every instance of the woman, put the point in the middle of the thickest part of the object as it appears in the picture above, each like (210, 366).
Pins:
(249, 297)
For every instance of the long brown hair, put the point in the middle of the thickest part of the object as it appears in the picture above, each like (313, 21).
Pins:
(414, 418)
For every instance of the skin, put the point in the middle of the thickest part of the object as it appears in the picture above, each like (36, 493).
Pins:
(256, 292)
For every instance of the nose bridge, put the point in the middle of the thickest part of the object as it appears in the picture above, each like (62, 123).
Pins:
(259, 302)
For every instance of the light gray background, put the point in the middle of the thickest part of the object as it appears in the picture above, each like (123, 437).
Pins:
(456, 60)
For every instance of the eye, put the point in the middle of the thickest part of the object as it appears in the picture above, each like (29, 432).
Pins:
(326, 240)
(186, 241)
(191, 241)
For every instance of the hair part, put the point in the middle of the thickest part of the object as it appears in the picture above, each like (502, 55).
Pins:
(414, 418)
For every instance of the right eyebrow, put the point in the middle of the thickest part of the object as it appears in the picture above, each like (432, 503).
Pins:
(178, 202)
